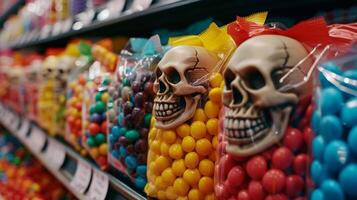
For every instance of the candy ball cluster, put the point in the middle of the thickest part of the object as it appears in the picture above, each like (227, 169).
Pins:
(181, 161)
(334, 168)
(74, 128)
(96, 125)
(130, 118)
(277, 173)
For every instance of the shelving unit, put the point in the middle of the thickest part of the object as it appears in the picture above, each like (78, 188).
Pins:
(46, 148)
(11, 11)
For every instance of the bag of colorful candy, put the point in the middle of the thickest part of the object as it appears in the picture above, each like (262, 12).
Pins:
(130, 108)
(334, 122)
(183, 134)
(265, 134)
(74, 129)
(96, 97)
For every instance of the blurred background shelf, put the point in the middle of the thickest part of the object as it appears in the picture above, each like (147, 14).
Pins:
(13, 9)
(118, 189)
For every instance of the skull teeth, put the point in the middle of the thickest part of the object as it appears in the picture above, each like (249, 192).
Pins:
(244, 128)
(166, 109)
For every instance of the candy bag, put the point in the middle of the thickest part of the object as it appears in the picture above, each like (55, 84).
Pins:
(183, 134)
(334, 122)
(264, 134)
(129, 113)
(31, 88)
(96, 97)
(75, 91)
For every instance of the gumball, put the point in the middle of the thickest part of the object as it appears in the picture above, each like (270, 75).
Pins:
(318, 147)
(181, 187)
(203, 147)
(332, 190)
(212, 126)
(103, 127)
(293, 139)
(131, 162)
(175, 151)
(188, 144)
(127, 107)
(331, 101)
(348, 180)
(98, 96)
(308, 136)
(277, 197)
(330, 67)
(256, 167)
(93, 128)
(103, 149)
(206, 167)
(140, 146)
(336, 155)
(191, 176)
(147, 120)
(330, 128)
(236, 176)
(294, 185)
(215, 80)
(194, 194)
(198, 129)
(349, 113)
(243, 195)
(139, 99)
(317, 195)
(183, 130)
(99, 138)
(211, 109)
(199, 115)
(168, 176)
(315, 121)
(352, 140)
(274, 181)
(215, 95)
(282, 158)
(149, 87)
(136, 86)
(132, 135)
(301, 163)
(191, 160)
(130, 149)
(91, 142)
(140, 182)
(169, 137)
(256, 190)
(178, 167)
(206, 185)
(226, 163)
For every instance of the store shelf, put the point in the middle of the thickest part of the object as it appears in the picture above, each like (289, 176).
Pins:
(63, 162)
(176, 14)
(11, 11)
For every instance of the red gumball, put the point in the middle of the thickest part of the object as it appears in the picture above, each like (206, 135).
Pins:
(293, 139)
(308, 136)
(300, 198)
(294, 185)
(226, 163)
(255, 189)
(277, 197)
(243, 195)
(71, 120)
(301, 163)
(103, 127)
(274, 181)
(236, 176)
(93, 128)
(282, 158)
(309, 112)
(78, 106)
(256, 167)
(232, 198)
(78, 123)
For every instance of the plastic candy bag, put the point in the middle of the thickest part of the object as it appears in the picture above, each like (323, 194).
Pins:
(183, 136)
(334, 122)
(95, 104)
(265, 136)
(129, 112)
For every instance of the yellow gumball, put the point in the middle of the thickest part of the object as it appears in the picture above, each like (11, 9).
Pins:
(94, 152)
(170, 193)
(152, 133)
(103, 149)
(183, 130)
(191, 160)
(162, 163)
(209, 197)
(164, 149)
(161, 195)
(160, 183)
(222, 85)
(215, 95)
(206, 167)
(181, 187)
(198, 129)
(215, 80)
(175, 151)
(155, 146)
(105, 97)
(200, 115)
(168, 176)
(182, 198)
(194, 194)
(169, 136)
(203, 147)
(214, 142)
(178, 167)
(192, 177)
(206, 185)
(188, 144)
(211, 109)
(212, 156)
(212, 126)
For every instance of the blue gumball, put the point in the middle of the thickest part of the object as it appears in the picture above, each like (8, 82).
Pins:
(116, 154)
(316, 171)
(330, 128)
(122, 131)
(140, 182)
(121, 119)
(122, 151)
(348, 180)
(331, 101)
(317, 195)
(131, 162)
(352, 140)
(349, 113)
(315, 121)
(331, 67)
(318, 147)
(332, 190)
(336, 155)
(115, 131)
(352, 74)
(141, 170)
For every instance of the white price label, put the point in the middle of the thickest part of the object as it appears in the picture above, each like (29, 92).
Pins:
(57, 28)
(37, 139)
(55, 153)
(67, 25)
(15, 123)
(25, 125)
(139, 5)
(99, 186)
(82, 176)
(45, 32)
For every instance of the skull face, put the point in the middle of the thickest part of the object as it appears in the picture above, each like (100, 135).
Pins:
(181, 81)
(258, 107)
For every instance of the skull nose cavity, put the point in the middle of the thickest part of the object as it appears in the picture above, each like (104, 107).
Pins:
(237, 96)
(162, 87)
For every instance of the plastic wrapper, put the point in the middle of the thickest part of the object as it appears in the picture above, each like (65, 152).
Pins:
(74, 95)
(183, 134)
(31, 88)
(95, 104)
(130, 109)
(265, 134)
(16, 90)
(334, 121)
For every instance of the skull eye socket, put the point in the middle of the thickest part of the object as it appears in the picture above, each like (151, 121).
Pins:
(172, 75)
(276, 76)
(253, 78)
(158, 72)
(228, 78)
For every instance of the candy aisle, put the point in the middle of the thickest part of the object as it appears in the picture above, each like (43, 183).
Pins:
(178, 99)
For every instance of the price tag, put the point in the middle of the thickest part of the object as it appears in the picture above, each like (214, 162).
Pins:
(15, 123)
(67, 25)
(25, 125)
(37, 139)
(57, 28)
(45, 32)
(99, 186)
(82, 176)
(55, 153)
(139, 5)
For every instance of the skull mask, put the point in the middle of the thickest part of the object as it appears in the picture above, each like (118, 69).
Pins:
(181, 82)
(258, 109)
